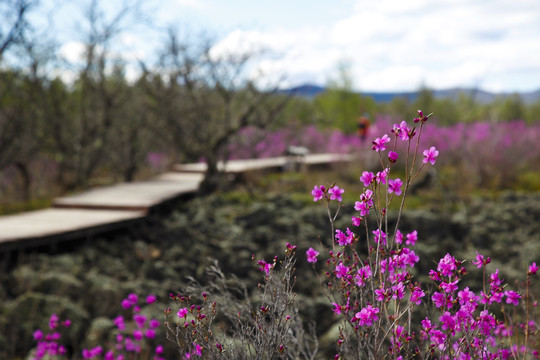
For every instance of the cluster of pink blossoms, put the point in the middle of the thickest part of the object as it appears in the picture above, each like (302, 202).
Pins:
(48, 344)
(128, 343)
(465, 327)
(333, 193)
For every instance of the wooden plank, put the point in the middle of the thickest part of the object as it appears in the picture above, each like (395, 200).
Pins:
(21, 230)
(137, 196)
(238, 166)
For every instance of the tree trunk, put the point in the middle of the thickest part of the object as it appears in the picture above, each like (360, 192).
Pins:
(213, 178)
(26, 179)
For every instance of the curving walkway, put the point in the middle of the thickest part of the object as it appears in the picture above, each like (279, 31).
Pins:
(112, 207)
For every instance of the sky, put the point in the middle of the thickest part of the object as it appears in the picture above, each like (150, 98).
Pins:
(386, 45)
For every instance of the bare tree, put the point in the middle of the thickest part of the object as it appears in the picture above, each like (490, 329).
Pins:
(13, 22)
(205, 98)
(82, 130)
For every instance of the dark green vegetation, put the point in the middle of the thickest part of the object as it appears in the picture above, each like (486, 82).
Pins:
(86, 281)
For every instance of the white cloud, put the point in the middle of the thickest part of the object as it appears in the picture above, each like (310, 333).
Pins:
(73, 51)
(397, 45)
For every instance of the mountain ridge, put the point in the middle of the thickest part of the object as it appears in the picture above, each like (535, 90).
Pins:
(482, 96)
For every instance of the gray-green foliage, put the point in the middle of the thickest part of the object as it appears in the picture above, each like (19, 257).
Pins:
(90, 281)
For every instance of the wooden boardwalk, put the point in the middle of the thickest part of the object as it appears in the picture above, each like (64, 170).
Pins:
(112, 207)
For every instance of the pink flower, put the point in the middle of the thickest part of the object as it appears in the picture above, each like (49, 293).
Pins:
(343, 239)
(318, 192)
(363, 207)
(53, 321)
(399, 237)
(420, 117)
(481, 260)
(382, 176)
(379, 236)
(312, 255)
(392, 156)
(362, 275)
(367, 178)
(133, 298)
(533, 269)
(265, 267)
(182, 312)
(395, 186)
(335, 193)
(137, 335)
(512, 297)
(356, 221)
(342, 271)
(150, 299)
(430, 155)
(119, 322)
(198, 349)
(412, 238)
(38, 335)
(447, 264)
(416, 295)
(126, 304)
(154, 323)
(401, 131)
(150, 333)
(379, 144)
(367, 316)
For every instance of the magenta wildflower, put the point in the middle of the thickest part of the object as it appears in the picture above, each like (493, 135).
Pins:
(399, 237)
(412, 238)
(335, 193)
(430, 155)
(416, 295)
(356, 221)
(533, 269)
(382, 176)
(125, 304)
(367, 316)
(447, 321)
(380, 236)
(481, 260)
(342, 271)
(182, 312)
(367, 178)
(198, 349)
(150, 299)
(53, 321)
(38, 335)
(449, 287)
(363, 207)
(344, 239)
(393, 156)
(379, 144)
(132, 298)
(512, 297)
(362, 275)
(446, 265)
(265, 267)
(394, 186)
(312, 255)
(119, 322)
(401, 131)
(137, 335)
(420, 117)
(318, 192)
